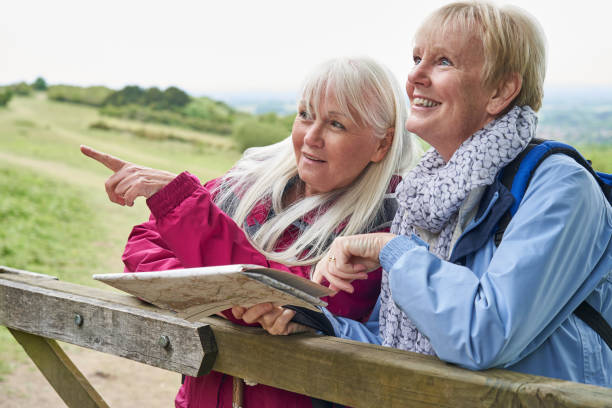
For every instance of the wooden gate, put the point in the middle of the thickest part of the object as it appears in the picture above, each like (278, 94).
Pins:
(39, 309)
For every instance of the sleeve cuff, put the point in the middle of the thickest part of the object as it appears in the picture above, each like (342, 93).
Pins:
(169, 197)
(397, 247)
(332, 321)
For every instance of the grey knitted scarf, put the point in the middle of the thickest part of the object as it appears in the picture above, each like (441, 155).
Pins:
(430, 196)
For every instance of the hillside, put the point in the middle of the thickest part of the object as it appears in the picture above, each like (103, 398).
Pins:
(55, 215)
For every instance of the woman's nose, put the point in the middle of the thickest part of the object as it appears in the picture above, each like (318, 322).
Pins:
(419, 75)
(314, 136)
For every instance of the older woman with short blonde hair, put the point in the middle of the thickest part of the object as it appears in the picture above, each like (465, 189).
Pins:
(448, 287)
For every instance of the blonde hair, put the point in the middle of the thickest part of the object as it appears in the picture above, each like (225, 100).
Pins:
(512, 39)
(367, 93)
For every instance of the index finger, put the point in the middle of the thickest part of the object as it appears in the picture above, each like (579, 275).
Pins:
(113, 163)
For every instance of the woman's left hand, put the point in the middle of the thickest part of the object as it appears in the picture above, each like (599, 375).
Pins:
(350, 258)
(130, 180)
(274, 319)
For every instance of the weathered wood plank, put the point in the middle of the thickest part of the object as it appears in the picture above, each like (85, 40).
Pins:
(141, 335)
(69, 383)
(357, 374)
(7, 269)
(363, 375)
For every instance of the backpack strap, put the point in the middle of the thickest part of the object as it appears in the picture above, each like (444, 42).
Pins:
(516, 177)
(507, 179)
(590, 316)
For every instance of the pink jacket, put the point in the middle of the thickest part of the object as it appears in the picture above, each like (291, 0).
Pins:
(187, 230)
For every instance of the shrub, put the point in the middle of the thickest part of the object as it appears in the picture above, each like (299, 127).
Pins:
(21, 88)
(252, 132)
(166, 117)
(176, 98)
(206, 108)
(5, 96)
(129, 95)
(100, 125)
(154, 98)
(39, 84)
(172, 98)
(93, 95)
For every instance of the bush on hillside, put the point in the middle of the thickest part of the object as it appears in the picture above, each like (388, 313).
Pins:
(129, 95)
(171, 99)
(176, 98)
(39, 84)
(146, 114)
(5, 96)
(93, 95)
(253, 132)
(20, 88)
(206, 108)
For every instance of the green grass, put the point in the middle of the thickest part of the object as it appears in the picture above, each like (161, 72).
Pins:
(55, 216)
(600, 156)
(44, 231)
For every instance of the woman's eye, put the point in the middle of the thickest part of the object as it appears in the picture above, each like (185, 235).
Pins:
(304, 115)
(337, 125)
(416, 60)
(445, 61)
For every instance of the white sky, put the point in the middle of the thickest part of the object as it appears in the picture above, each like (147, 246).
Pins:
(257, 45)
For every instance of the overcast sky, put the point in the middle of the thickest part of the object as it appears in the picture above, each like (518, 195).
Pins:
(257, 45)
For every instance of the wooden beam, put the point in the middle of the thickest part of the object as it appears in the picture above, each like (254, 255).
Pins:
(69, 383)
(128, 331)
(343, 371)
(364, 375)
(7, 269)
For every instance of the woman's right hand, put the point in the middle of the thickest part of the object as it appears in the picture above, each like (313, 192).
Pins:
(275, 320)
(350, 258)
(129, 180)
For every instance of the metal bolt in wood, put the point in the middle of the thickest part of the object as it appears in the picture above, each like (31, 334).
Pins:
(164, 341)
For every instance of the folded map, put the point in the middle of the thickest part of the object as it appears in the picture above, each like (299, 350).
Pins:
(200, 292)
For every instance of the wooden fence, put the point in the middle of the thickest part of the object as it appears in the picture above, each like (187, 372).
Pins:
(39, 309)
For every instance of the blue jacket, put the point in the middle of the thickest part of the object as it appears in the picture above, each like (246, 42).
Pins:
(511, 307)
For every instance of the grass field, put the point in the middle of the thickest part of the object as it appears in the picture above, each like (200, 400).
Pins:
(54, 212)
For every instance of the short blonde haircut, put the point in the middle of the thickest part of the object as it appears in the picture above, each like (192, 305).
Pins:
(512, 39)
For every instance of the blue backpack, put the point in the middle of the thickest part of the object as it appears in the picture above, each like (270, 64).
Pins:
(516, 177)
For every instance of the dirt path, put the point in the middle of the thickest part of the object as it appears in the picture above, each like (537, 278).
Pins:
(122, 383)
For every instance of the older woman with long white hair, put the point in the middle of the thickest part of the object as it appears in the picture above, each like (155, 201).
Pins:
(282, 205)
(453, 285)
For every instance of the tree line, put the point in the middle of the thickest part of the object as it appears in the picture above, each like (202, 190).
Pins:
(171, 106)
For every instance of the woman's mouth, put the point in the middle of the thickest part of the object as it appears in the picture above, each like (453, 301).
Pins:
(424, 103)
(312, 158)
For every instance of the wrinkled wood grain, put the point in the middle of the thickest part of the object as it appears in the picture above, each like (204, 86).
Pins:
(122, 330)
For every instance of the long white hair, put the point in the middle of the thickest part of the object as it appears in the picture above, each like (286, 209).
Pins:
(370, 96)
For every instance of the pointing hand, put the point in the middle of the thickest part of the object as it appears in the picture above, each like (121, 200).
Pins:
(129, 180)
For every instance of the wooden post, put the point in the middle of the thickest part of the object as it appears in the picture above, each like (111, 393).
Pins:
(69, 383)
(237, 393)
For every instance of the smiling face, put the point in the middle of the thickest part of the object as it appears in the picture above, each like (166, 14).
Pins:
(448, 102)
(330, 150)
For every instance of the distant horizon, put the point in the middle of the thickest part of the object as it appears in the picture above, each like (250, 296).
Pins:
(599, 89)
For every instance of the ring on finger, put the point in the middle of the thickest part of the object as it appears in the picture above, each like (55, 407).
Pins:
(331, 258)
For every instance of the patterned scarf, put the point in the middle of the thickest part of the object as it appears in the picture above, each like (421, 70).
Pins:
(431, 195)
